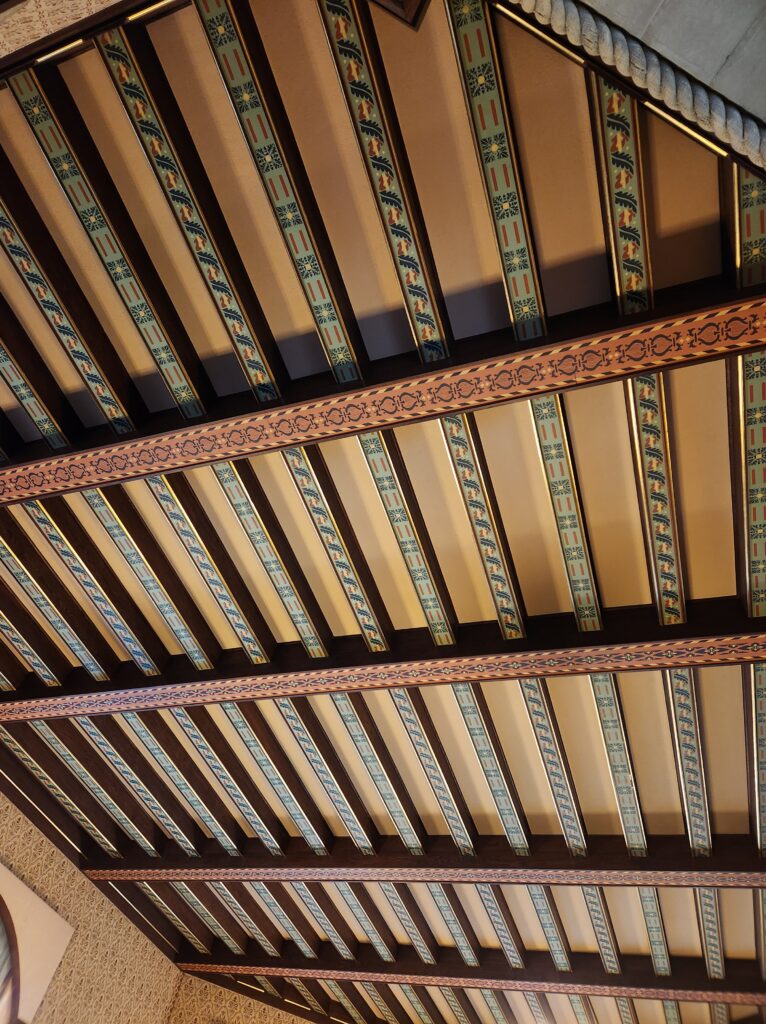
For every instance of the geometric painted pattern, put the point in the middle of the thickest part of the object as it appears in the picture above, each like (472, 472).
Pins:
(264, 894)
(380, 1004)
(46, 608)
(30, 657)
(77, 189)
(27, 398)
(174, 919)
(51, 307)
(719, 1013)
(364, 106)
(658, 946)
(252, 929)
(340, 996)
(417, 1004)
(599, 916)
(238, 75)
(455, 1005)
(454, 927)
(323, 920)
(581, 1007)
(316, 505)
(688, 749)
(492, 1000)
(488, 758)
(534, 1002)
(754, 430)
(482, 87)
(274, 778)
(364, 922)
(617, 114)
(494, 913)
(626, 1010)
(231, 484)
(474, 492)
(413, 932)
(542, 900)
(652, 448)
(358, 734)
(559, 474)
(672, 1011)
(432, 769)
(99, 503)
(118, 58)
(71, 559)
(709, 917)
(757, 699)
(751, 199)
(191, 540)
(383, 474)
(206, 917)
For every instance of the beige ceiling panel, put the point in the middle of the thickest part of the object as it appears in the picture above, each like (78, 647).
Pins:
(294, 37)
(738, 923)
(387, 912)
(436, 489)
(575, 918)
(423, 73)
(370, 524)
(149, 510)
(680, 917)
(27, 157)
(682, 204)
(431, 913)
(21, 596)
(723, 730)
(561, 1008)
(525, 917)
(519, 1007)
(605, 1009)
(651, 747)
(695, 1013)
(628, 919)
(477, 916)
(509, 441)
(649, 1011)
(284, 498)
(112, 131)
(549, 107)
(743, 1012)
(702, 475)
(510, 716)
(199, 90)
(598, 426)
(577, 717)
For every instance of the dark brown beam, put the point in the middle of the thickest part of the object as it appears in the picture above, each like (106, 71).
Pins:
(330, 910)
(34, 634)
(178, 905)
(139, 909)
(693, 324)
(689, 982)
(717, 632)
(734, 864)
(12, 668)
(11, 444)
(256, 913)
(235, 985)
(410, 11)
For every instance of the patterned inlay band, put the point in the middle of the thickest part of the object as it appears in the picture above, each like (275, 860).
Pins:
(455, 928)
(582, 1009)
(207, 918)
(77, 189)
(361, 90)
(53, 310)
(304, 992)
(417, 1004)
(493, 1002)
(709, 917)
(658, 946)
(26, 652)
(48, 528)
(380, 1004)
(252, 929)
(454, 1004)
(240, 78)
(174, 919)
(542, 901)
(682, 699)
(282, 918)
(757, 698)
(323, 920)
(626, 1010)
(753, 399)
(340, 996)
(414, 933)
(536, 1008)
(118, 58)
(365, 923)
(494, 913)
(28, 399)
(602, 927)
(751, 200)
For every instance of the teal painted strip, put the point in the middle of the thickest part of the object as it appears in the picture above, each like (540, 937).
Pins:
(754, 436)
(536, 1007)
(27, 398)
(283, 919)
(304, 993)
(380, 1004)
(454, 1004)
(650, 905)
(542, 901)
(207, 918)
(688, 749)
(76, 187)
(492, 999)
(672, 1011)
(758, 715)
(148, 580)
(364, 106)
(5, 683)
(559, 475)
(375, 452)
(232, 487)
(322, 920)
(719, 1013)
(709, 917)
(340, 996)
(266, 985)
(239, 77)
(458, 828)
(473, 489)
(495, 915)
(174, 919)
(417, 1004)
(252, 929)
(391, 893)
(84, 577)
(602, 927)
(53, 311)
(27, 653)
(582, 1010)
(482, 85)
(116, 53)
(363, 920)
(190, 539)
(46, 608)
(316, 506)
(463, 946)
(626, 1010)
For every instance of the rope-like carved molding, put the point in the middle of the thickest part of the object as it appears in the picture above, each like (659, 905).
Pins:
(704, 334)
(647, 70)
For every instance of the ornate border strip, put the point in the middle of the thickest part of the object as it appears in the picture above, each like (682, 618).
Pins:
(357, 78)
(77, 189)
(652, 655)
(682, 700)
(118, 58)
(655, 929)
(323, 920)
(611, 355)
(304, 992)
(752, 382)
(174, 919)
(26, 652)
(542, 901)
(536, 1008)
(757, 700)
(709, 917)
(602, 927)
(207, 918)
(276, 909)
(454, 1004)
(582, 1009)
(252, 929)
(751, 214)
(444, 906)
(28, 399)
(341, 997)
(414, 934)
(380, 1004)
(495, 915)
(491, 999)
(240, 79)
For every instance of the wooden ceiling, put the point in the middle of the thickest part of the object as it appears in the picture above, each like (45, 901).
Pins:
(384, 509)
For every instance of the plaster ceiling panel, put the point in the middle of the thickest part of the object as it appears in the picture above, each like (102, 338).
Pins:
(549, 108)
(524, 915)
(695, 1013)
(424, 77)
(682, 204)
(600, 438)
(294, 37)
(509, 441)
(436, 488)
(679, 915)
(702, 477)
(196, 82)
(605, 1009)
(722, 714)
(628, 920)
(373, 531)
(111, 130)
(649, 1011)
(27, 156)
(575, 918)
(738, 923)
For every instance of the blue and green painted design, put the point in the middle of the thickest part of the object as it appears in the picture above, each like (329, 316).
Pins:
(380, 1003)
(687, 742)
(602, 927)
(174, 919)
(414, 933)
(46, 525)
(482, 85)
(340, 996)
(109, 519)
(77, 189)
(535, 1004)
(28, 399)
(115, 50)
(207, 918)
(454, 1004)
(709, 917)
(757, 699)
(282, 918)
(240, 78)
(454, 927)
(26, 652)
(323, 920)
(753, 403)
(54, 312)
(251, 928)
(542, 901)
(359, 86)
(658, 945)
(318, 510)
(751, 201)
(497, 919)
(374, 937)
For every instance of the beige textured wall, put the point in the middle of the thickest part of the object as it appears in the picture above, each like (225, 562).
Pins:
(198, 1002)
